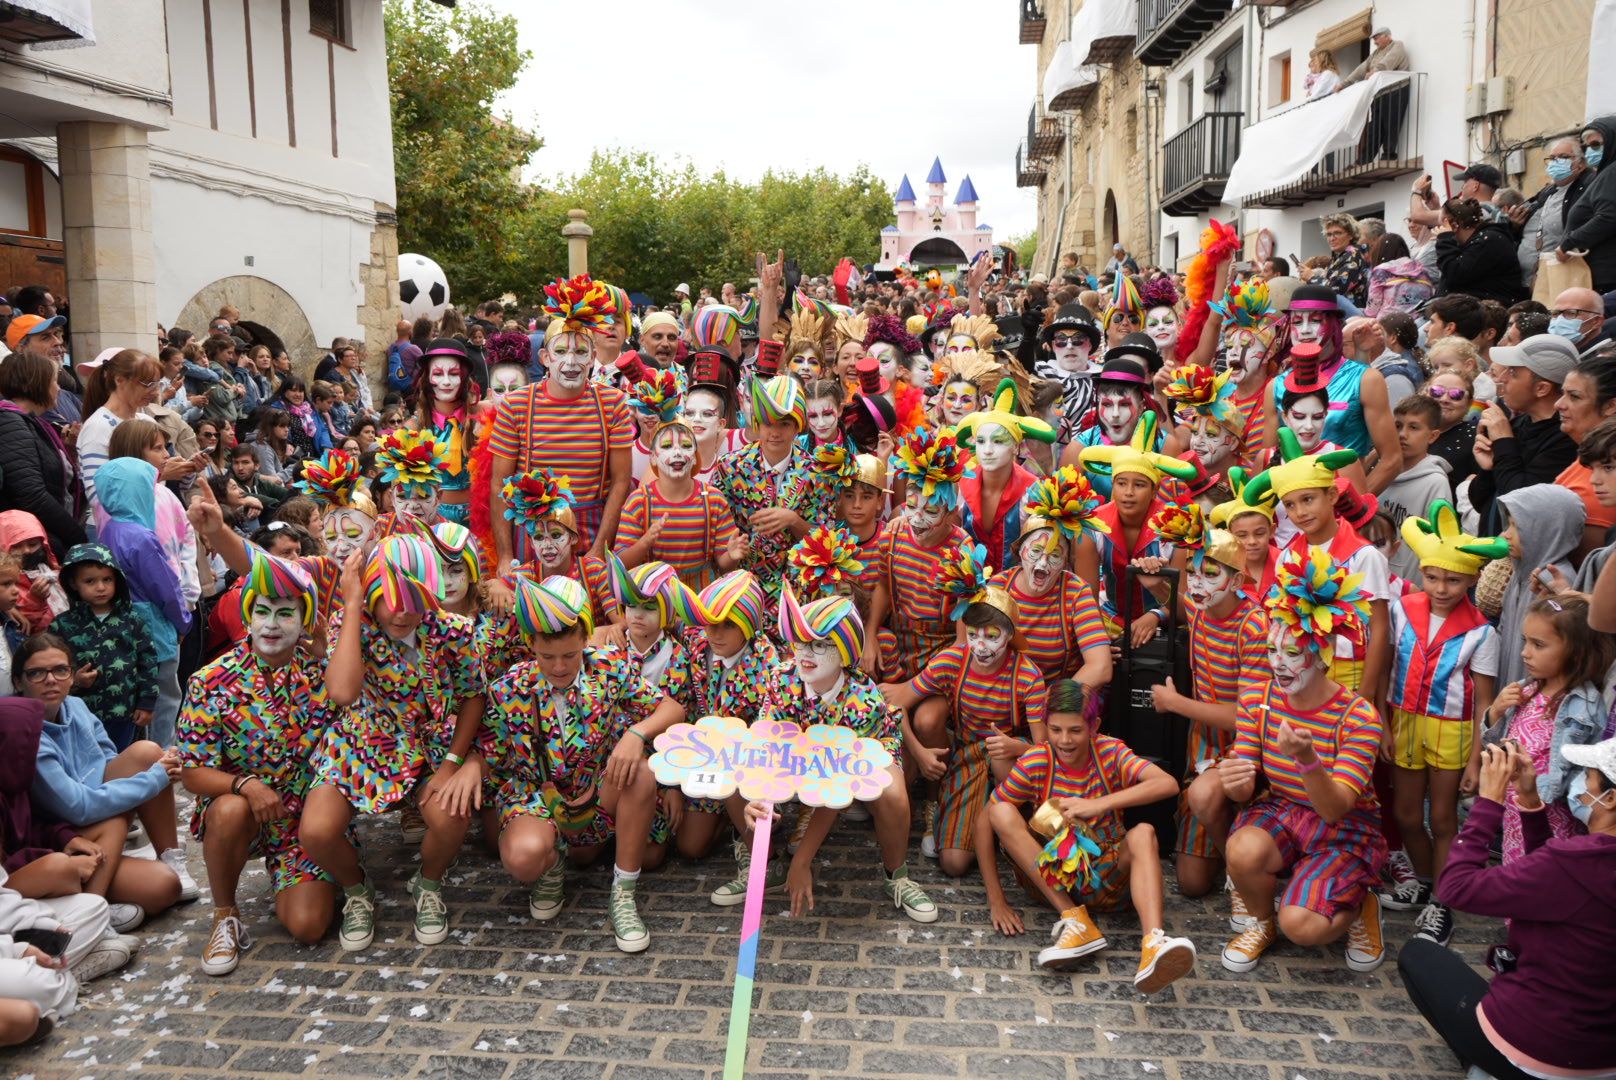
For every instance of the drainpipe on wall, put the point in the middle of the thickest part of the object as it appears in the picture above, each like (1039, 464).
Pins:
(1071, 193)
(1152, 201)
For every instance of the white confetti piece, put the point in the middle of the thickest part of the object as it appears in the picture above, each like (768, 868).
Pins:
(1112, 1036)
(1148, 1067)
(345, 1050)
(956, 973)
(80, 1052)
(482, 1046)
(310, 1036)
(311, 1059)
(1009, 1031)
(419, 1011)
(1041, 1020)
(1326, 1038)
(209, 1044)
(513, 1042)
(563, 1007)
(419, 984)
(386, 973)
(807, 1017)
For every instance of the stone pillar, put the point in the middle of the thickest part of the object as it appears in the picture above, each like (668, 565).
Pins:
(379, 307)
(577, 232)
(107, 237)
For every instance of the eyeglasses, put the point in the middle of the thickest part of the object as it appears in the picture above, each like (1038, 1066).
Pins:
(40, 674)
(1558, 312)
(1335, 232)
(1560, 157)
(1457, 393)
(152, 385)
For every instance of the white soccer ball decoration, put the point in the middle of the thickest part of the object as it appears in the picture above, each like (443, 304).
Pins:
(423, 290)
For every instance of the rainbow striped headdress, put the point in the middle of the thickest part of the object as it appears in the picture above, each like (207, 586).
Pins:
(277, 579)
(779, 398)
(1318, 600)
(537, 496)
(405, 572)
(833, 619)
(622, 309)
(1298, 472)
(660, 395)
(801, 300)
(932, 464)
(578, 305)
(411, 461)
(716, 326)
(736, 597)
(455, 543)
(825, 561)
(747, 313)
(1064, 502)
(551, 606)
(1206, 394)
(644, 585)
(1124, 298)
(333, 482)
(1225, 512)
(1136, 457)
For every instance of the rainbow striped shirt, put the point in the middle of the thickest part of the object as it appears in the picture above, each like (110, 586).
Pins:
(1224, 656)
(911, 573)
(1251, 450)
(1346, 737)
(572, 438)
(1060, 625)
(1003, 703)
(1112, 767)
(695, 532)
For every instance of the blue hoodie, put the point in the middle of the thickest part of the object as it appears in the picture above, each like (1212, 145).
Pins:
(129, 496)
(73, 755)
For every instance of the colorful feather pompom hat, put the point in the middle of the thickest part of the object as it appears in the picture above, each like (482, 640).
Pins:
(825, 562)
(537, 496)
(334, 483)
(931, 463)
(1064, 502)
(1201, 392)
(578, 305)
(1318, 600)
(411, 461)
(831, 618)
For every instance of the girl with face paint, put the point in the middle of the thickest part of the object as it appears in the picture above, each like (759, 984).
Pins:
(991, 499)
(849, 334)
(1360, 415)
(892, 346)
(448, 397)
(1162, 321)
(806, 344)
(705, 412)
(676, 519)
(655, 397)
(825, 398)
(411, 464)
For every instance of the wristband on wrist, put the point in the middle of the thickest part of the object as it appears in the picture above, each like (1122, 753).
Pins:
(641, 736)
(240, 782)
(455, 759)
(1316, 765)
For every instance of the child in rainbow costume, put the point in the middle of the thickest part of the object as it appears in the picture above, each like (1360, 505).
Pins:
(995, 435)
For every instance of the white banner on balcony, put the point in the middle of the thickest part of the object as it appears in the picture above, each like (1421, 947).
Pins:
(1602, 79)
(72, 15)
(1100, 20)
(1064, 74)
(1283, 149)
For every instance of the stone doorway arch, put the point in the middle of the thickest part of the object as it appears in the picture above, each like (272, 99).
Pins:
(268, 314)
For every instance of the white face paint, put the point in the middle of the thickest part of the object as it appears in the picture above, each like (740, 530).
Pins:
(1212, 443)
(553, 545)
(1071, 350)
(420, 507)
(959, 401)
(569, 358)
(644, 624)
(920, 370)
(987, 645)
(818, 664)
(505, 378)
(1295, 668)
(274, 626)
(1119, 411)
(1306, 326)
(960, 343)
(1244, 355)
(1209, 584)
(345, 532)
(887, 356)
(824, 418)
(456, 581)
(674, 454)
(805, 366)
(1040, 567)
(1161, 324)
(995, 449)
(445, 377)
(1306, 419)
(704, 413)
(924, 519)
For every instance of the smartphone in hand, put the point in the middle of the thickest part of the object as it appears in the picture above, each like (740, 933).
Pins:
(52, 943)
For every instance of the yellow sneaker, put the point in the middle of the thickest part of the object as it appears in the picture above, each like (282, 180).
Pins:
(1239, 915)
(1075, 937)
(1242, 954)
(1162, 961)
(1366, 943)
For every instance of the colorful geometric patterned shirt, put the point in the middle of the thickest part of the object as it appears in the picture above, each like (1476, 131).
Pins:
(749, 484)
(855, 702)
(1346, 737)
(747, 689)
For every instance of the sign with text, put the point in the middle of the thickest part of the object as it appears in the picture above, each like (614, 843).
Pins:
(772, 761)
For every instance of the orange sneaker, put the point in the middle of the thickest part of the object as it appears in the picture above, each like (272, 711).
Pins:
(1366, 942)
(1242, 954)
(1162, 961)
(1075, 937)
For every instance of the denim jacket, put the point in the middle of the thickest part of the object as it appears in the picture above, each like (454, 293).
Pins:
(1579, 722)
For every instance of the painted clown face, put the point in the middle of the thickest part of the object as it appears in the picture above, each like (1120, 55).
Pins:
(274, 627)
(418, 503)
(818, 664)
(995, 447)
(569, 358)
(1161, 325)
(1041, 567)
(1296, 668)
(1306, 419)
(553, 546)
(456, 582)
(505, 378)
(1119, 408)
(704, 413)
(674, 453)
(960, 399)
(345, 531)
(1208, 583)
(644, 624)
(958, 343)
(887, 356)
(926, 520)
(987, 645)
(1212, 442)
(920, 370)
(1071, 350)
(936, 341)
(1307, 327)
(1244, 354)
(805, 366)
(446, 379)
(824, 419)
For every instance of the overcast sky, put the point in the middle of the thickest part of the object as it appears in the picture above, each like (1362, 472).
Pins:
(679, 77)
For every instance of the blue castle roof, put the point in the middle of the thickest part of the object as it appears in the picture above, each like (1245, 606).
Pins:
(890, 228)
(905, 192)
(936, 175)
(967, 191)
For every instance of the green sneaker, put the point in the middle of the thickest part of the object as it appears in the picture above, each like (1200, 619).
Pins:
(627, 928)
(733, 892)
(904, 893)
(358, 918)
(549, 894)
(431, 913)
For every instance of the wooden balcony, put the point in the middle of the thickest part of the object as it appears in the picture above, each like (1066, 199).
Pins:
(1032, 22)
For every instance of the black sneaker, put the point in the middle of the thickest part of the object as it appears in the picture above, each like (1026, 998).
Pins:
(1435, 923)
(1405, 896)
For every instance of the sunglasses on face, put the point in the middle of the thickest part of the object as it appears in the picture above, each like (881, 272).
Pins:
(1455, 394)
(1061, 341)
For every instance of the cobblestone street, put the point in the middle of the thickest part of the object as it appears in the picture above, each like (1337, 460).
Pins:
(853, 990)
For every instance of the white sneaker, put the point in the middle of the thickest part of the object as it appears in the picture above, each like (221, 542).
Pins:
(856, 811)
(126, 916)
(108, 955)
(174, 859)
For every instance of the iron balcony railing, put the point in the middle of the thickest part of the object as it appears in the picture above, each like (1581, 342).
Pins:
(1196, 162)
(1170, 28)
(1029, 172)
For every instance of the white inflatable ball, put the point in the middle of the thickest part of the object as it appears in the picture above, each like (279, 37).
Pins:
(423, 290)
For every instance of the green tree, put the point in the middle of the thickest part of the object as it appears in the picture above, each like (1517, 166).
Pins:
(457, 159)
(1025, 245)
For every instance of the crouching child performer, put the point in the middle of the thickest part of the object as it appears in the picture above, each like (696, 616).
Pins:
(568, 734)
(1074, 788)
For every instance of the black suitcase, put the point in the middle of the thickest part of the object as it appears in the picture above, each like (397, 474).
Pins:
(1130, 712)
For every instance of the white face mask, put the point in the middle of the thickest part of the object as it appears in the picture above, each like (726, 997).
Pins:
(420, 507)
(644, 623)
(887, 356)
(1306, 419)
(1161, 324)
(1307, 327)
(274, 626)
(805, 366)
(818, 664)
(570, 357)
(824, 418)
(704, 415)
(675, 455)
(1243, 356)
(987, 644)
(445, 377)
(994, 447)
(1040, 567)
(1295, 668)
(505, 378)
(553, 546)
(345, 531)
(923, 519)
(1119, 411)
(1208, 585)
(1212, 443)
(456, 582)
(1072, 358)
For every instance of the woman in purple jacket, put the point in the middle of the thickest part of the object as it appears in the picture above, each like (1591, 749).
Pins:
(1548, 1011)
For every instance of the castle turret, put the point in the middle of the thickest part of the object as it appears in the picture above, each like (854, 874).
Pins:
(904, 204)
(965, 204)
(936, 182)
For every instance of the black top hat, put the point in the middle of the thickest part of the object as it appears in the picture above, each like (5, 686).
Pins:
(1140, 348)
(1072, 316)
